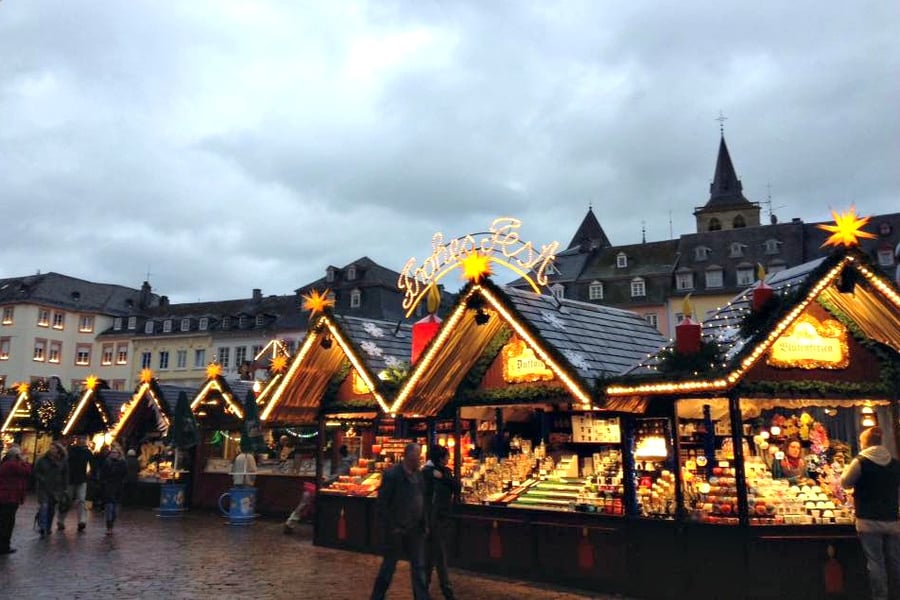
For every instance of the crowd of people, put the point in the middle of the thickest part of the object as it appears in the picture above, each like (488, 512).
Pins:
(60, 477)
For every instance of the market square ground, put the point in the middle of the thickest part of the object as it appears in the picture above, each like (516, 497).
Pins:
(199, 556)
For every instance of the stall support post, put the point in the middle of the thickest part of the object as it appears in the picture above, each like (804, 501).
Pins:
(709, 441)
(628, 472)
(457, 450)
(680, 509)
(737, 440)
(431, 432)
(498, 435)
(320, 447)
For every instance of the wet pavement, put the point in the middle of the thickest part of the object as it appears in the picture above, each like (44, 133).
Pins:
(199, 556)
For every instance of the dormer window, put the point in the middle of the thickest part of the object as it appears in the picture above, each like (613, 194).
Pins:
(260, 320)
(132, 322)
(638, 287)
(167, 326)
(739, 222)
(203, 325)
(355, 299)
(351, 273)
(621, 260)
(701, 253)
(886, 256)
(714, 277)
(736, 250)
(226, 322)
(684, 280)
(772, 246)
(745, 274)
(242, 321)
(185, 324)
(558, 291)
(595, 291)
(329, 275)
(332, 296)
(117, 324)
(715, 224)
(148, 327)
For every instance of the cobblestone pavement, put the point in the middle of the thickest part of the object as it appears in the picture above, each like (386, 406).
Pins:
(199, 556)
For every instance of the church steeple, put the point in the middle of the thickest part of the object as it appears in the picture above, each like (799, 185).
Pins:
(590, 234)
(725, 188)
(727, 208)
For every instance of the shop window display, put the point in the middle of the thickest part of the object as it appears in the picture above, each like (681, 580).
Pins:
(654, 468)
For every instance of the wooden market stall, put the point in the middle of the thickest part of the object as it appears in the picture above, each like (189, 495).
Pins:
(767, 407)
(35, 417)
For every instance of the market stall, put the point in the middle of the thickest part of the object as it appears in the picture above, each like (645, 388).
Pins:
(94, 411)
(35, 417)
(769, 399)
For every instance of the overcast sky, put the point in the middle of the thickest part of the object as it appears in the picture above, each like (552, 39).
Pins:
(233, 145)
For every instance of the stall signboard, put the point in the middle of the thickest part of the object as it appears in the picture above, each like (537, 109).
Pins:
(520, 365)
(811, 344)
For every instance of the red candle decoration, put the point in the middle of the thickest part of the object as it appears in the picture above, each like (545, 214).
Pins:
(762, 293)
(423, 331)
(687, 333)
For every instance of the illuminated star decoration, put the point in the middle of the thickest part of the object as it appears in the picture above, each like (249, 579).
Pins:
(22, 388)
(316, 302)
(279, 363)
(476, 267)
(213, 370)
(847, 229)
(91, 382)
(146, 375)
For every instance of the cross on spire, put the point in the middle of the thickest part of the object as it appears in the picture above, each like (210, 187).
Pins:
(721, 119)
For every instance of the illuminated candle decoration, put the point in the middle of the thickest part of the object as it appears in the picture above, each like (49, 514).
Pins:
(687, 333)
(763, 292)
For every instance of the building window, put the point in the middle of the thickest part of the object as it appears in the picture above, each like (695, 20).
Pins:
(351, 272)
(621, 260)
(226, 322)
(256, 351)
(736, 250)
(638, 288)
(224, 356)
(714, 278)
(54, 352)
(59, 320)
(329, 275)
(83, 355)
(260, 320)
(745, 275)
(772, 247)
(43, 318)
(40, 347)
(204, 324)
(4, 348)
(652, 319)
(146, 360)
(163, 360)
(122, 354)
(679, 317)
(355, 299)
(106, 354)
(701, 253)
(86, 324)
(331, 296)
(200, 358)
(181, 359)
(242, 321)
(240, 355)
(739, 222)
(148, 327)
(132, 322)
(117, 324)
(684, 281)
(715, 224)
(558, 291)
(185, 324)
(8, 315)
(595, 291)
(167, 326)
(118, 384)
(885, 257)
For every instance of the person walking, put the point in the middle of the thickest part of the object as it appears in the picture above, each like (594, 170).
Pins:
(440, 489)
(79, 457)
(51, 478)
(401, 510)
(874, 476)
(14, 474)
(113, 473)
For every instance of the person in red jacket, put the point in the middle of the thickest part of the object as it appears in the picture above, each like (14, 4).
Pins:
(14, 474)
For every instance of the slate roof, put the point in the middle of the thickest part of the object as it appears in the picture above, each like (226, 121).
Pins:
(380, 344)
(75, 294)
(726, 190)
(597, 341)
(589, 234)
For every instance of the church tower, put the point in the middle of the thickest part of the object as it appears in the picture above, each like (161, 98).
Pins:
(590, 234)
(727, 208)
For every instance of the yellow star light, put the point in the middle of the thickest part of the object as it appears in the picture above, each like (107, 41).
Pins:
(315, 302)
(213, 370)
(146, 375)
(22, 388)
(476, 267)
(91, 382)
(279, 363)
(847, 229)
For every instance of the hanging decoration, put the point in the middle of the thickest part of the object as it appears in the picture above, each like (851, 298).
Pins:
(847, 229)
(316, 302)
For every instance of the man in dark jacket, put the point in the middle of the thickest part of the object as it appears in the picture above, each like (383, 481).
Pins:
(51, 478)
(401, 508)
(14, 474)
(79, 459)
(874, 476)
(440, 488)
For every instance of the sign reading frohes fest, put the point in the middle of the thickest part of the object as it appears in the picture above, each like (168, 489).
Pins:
(811, 344)
(520, 365)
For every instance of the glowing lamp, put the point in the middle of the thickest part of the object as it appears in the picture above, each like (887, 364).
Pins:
(763, 292)
(764, 435)
(868, 421)
(776, 430)
(423, 331)
(687, 333)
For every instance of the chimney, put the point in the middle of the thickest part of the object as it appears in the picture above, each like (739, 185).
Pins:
(257, 294)
(146, 295)
(164, 301)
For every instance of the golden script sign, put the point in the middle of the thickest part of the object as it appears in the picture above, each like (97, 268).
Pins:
(811, 344)
(520, 365)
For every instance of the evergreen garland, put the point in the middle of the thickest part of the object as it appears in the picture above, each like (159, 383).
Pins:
(705, 361)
